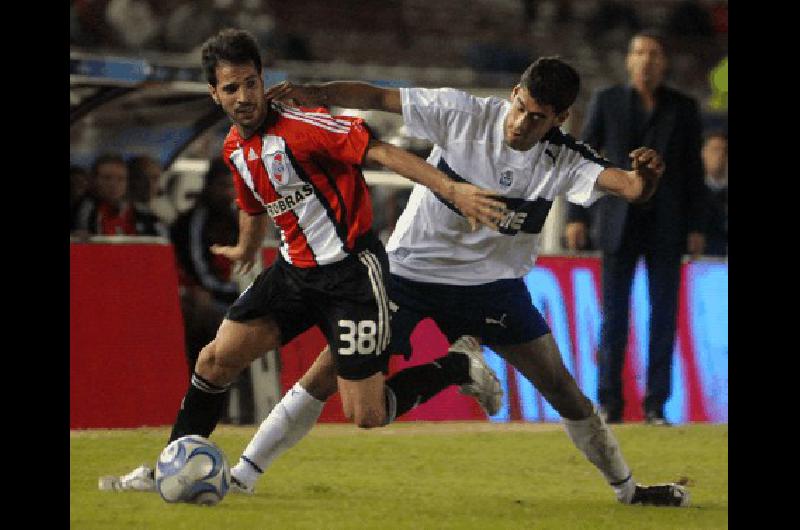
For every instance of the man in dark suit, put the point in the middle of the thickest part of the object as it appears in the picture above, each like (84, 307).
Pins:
(643, 112)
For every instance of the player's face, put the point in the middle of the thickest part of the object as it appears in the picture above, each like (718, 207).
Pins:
(240, 92)
(111, 182)
(528, 121)
(646, 62)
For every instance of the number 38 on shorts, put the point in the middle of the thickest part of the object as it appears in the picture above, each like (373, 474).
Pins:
(357, 337)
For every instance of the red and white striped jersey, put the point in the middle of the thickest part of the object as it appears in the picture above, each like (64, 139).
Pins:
(303, 168)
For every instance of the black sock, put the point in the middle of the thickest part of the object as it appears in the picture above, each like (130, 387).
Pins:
(416, 385)
(200, 410)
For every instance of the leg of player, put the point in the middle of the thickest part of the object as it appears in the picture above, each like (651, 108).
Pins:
(364, 401)
(288, 422)
(540, 362)
(236, 345)
(463, 365)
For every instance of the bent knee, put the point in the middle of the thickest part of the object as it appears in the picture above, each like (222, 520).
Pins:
(217, 366)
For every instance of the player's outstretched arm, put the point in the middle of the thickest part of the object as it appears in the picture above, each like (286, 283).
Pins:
(638, 185)
(476, 204)
(349, 94)
(252, 229)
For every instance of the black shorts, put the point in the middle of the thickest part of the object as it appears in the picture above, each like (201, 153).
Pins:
(500, 312)
(346, 299)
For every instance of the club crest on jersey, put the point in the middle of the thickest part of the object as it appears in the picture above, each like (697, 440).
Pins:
(506, 177)
(277, 166)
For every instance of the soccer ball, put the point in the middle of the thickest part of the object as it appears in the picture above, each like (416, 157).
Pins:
(192, 469)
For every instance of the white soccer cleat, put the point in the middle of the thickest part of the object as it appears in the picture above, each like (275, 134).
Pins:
(239, 487)
(485, 387)
(140, 479)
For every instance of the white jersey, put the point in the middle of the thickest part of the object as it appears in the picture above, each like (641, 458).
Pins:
(432, 242)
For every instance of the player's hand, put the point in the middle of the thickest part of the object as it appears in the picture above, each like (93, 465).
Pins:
(288, 92)
(478, 205)
(576, 234)
(648, 166)
(243, 260)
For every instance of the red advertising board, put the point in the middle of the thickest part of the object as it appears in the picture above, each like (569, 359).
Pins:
(127, 365)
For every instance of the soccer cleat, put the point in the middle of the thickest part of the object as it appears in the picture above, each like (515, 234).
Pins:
(237, 486)
(140, 479)
(484, 385)
(661, 495)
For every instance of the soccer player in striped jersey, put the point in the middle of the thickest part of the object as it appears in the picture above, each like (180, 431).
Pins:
(470, 282)
(302, 169)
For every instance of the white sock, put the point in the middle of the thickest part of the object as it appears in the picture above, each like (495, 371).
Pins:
(595, 440)
(287, 423)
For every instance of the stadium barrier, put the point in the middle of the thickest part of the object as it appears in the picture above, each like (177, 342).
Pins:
(127, 364)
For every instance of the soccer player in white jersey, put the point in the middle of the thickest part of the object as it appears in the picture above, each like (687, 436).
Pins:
(470, 281)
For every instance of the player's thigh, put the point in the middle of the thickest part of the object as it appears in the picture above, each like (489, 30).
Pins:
(355, 318)
(240, 343)
(364, 400)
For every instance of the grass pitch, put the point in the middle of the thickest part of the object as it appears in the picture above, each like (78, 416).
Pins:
(424, 475)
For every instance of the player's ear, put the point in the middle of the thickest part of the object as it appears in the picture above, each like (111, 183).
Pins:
(561, 118)
(213, 92)
(515, 91)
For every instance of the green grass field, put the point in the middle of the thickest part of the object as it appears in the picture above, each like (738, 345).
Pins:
(445, 475)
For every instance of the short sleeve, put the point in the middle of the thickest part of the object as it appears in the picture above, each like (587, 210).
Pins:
(582, 178)
(433, 114)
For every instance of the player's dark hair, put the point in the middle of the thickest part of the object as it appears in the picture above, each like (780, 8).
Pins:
(106, 158)
(235, 46)
(551, 81)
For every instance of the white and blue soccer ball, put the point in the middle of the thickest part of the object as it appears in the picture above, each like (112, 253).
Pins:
(192, 469)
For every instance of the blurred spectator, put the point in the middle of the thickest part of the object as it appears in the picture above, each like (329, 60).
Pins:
(206, 282)
(144, 189)
(643, 112)
(206, 279)
(105, 211)
(78, 186)
(715, 162)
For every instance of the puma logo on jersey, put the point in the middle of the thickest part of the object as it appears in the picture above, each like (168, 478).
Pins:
(549, 153)
(289, 202)
(501, 322)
